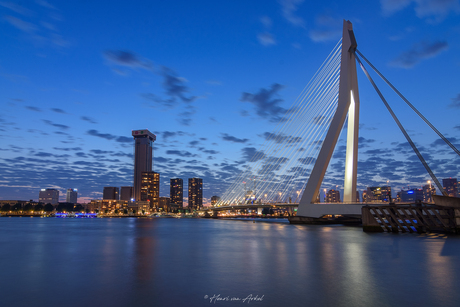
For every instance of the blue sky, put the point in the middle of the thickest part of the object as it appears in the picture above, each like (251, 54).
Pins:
(77, 76)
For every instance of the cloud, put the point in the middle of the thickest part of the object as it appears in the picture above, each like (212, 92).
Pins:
(60, 126)
(175, 86)
(208, 151)
(433, 11)
(108, 136)
(21, 24)
(127, 59)
(33, 108)
(88, 119)
(324, 35)
(233, 139)
(307, 160)
(281, 138)
(96, 133)
(322, 120)
(267, 107)
(45, 4)
(266, 39)
(124, 139)
(391, 6)
(67, 149)
(16, 8)
(58, 110)
(177, 91)
(436, 10)
(363, 142)
(185, 118)
(289, 8)
(327, 28)
(250, 154)
(266, 21)
(418, 53)
(180, 153)
(455, 102)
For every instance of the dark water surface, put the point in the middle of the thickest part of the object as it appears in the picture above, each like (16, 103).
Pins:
(171, 262)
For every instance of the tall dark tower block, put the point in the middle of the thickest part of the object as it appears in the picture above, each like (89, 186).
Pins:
(195, 193)
(143, 157)
(176, 192)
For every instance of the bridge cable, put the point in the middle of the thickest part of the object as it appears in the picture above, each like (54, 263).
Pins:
(417, 152)
(410, 105)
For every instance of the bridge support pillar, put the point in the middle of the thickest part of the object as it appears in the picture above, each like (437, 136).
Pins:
(348, 103)
(259, 211)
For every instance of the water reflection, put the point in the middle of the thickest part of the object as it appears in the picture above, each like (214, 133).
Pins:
(169, 262)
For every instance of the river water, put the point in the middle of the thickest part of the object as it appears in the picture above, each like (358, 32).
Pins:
(203, 262)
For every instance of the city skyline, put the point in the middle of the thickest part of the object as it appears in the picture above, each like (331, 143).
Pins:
(211, 81)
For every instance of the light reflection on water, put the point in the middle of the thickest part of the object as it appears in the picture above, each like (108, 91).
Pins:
(170, 262)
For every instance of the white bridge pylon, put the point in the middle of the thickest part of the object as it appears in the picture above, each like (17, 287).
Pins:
(348, 103)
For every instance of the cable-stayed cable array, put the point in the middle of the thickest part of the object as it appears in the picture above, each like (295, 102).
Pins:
(279, 170)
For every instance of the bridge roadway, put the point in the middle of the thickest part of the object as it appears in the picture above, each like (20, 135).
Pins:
(252, 206)
(315, 210)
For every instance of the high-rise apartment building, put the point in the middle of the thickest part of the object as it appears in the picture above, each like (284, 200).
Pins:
(450, 185)
(126, 193)
(195, 193)
(377, 194)
(333, 196)
(150, 188)
(143, 157)
(71, 196)
(176, 192)
(112, 193)
(214, 200)
(49, 196)
(428, 192)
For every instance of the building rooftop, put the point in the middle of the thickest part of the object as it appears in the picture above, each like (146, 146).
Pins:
(144, 132)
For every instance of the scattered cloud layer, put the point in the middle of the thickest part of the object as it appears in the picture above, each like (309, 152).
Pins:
(250, 154)
(60, 126)
(108, 136)
(327, 28)
(266, 39)
(42, 32)
(418, 53)
(455, 102)
(289, 9)
(88, 119)
(233, 139)
(281, 138)
(266, 105)
(432, 11)
(127, 59)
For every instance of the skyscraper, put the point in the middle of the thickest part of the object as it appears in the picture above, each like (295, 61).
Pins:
(428, 192)
(143, 157)
(214, 200)
(111, 193)
(333, 196)
(450, 185)
(195, 193)
(150, 188)
(49, 196)
(71, 196)
(176, 192)
(126, 193)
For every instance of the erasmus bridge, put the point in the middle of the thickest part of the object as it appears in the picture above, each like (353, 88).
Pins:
(290, 167)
